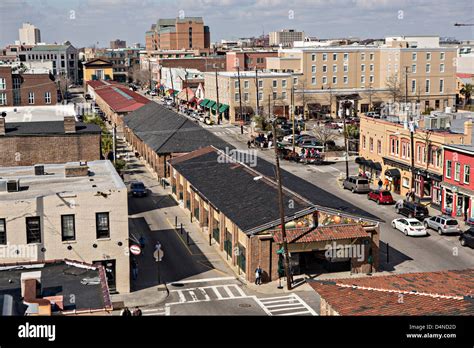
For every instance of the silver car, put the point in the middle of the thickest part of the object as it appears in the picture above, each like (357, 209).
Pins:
(356, 184)
(442, 224)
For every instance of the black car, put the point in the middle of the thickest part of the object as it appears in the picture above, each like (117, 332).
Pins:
(138, 189)
(467, 238)
(412, 210)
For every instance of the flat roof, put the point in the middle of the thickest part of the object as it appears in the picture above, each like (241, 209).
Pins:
(469, 149)
(47, 128)
(38, 113)
(251, 74)
(104, 179)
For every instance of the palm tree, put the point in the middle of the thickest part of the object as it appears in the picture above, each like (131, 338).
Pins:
(466, 91)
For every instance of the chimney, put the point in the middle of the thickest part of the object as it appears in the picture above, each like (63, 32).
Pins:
(74, 170)
(2, 125)
(69, 124)
(468, 132)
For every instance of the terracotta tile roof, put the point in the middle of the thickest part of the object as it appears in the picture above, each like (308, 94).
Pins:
(120, 98)
(464, 76)
(428, 293)
(320, 234)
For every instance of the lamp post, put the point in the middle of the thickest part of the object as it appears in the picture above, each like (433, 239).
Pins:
(346, 105)
(412, 137)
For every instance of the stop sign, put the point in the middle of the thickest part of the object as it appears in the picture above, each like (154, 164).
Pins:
(135, 249)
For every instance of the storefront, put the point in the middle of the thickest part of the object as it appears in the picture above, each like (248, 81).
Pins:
(427, 187)
(457, 202)
(372, 170)
(393, 176)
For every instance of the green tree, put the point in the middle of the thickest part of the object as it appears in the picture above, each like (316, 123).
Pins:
(466, 92)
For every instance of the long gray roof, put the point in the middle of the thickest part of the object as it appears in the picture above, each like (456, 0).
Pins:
(166, 131)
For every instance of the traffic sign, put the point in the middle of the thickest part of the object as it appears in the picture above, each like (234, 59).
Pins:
(158, 255)
(135, 249)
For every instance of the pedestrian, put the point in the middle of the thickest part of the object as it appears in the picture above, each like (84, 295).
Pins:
(249, 144)
(258, 275)
(134, 269)
(386, 183)
(380, 184)
(125, 312)
(142, 242)
(137, 312)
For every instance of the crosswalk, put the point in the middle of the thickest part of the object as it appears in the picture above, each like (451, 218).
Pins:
(155, 311)
(208, 293)
(285, 305)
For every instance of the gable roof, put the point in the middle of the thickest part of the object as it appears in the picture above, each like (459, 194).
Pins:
(427, 293)
(97, 61)
(321, 234)
(166, 131)
(120, 98)
(231, 188)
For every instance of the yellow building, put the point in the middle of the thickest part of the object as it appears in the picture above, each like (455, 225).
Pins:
(385, 152)
(98, 69)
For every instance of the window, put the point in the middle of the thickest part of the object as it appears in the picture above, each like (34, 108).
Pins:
(274, 95)
(260, 96)
(362, 67)
(428, 56)
(448, 169)
(362, 56)
(3, 232)
(313, 80)
(441, 68)
(16, 82)
(346, 68)
(413, 68)
(295, 80)
(405, 150)
(2, 83)
(325, 68)
(283, 95)
(371, 78)
(246, 84)
(379, 147)
(362, 79)
(31, 98)
(427, 86)
(467, 174)
(334, 68)
(346, 80)
(325, 80)
(363, 142)
(371, 144)
(325, 56)
(441, 55)
(413, 86)
(313, 68)
(33, 230)
(283, 83)
(394, 144)
(334, 80)
(418, 153)
(371, 56)
(275, 84)
(236, 97)
(334, 56)
(346, 56)
(68, 227)
(457, 171)
(260, 83)
(102, 225)
(246, 97)
(413, 57)
(313, 57)
(428, 68)
(47, 97)
(406, 182)
(3, 99)
(441, 85)
(236, 84)
(371, 67)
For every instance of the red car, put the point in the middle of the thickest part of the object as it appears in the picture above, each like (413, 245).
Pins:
(381, 197)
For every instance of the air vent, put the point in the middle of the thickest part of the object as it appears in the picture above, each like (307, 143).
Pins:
(13, 185)
(39, 169)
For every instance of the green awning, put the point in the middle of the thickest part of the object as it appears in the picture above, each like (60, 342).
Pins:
(223, 108)
(204, 102)
(210, 104)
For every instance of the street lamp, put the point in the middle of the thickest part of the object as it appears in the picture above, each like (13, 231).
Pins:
(346, 105)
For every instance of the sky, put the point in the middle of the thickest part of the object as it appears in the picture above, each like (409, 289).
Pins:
(88, 22)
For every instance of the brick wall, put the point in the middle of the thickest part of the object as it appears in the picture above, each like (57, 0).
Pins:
(38, 84)
(31, 150)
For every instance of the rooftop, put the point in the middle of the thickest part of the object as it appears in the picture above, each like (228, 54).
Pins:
(47, 128)
(87, 283)
(321, 234)
(427, 293)
(38, 113)
(463, 148)
(119, 98)
(102, 178)
(244, 74)
(49, 48)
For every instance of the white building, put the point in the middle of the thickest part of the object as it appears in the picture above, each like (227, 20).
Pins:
(285, 37)
(73, 211)
(29, 34)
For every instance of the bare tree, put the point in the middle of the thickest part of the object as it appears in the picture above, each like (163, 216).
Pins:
(63, 83)
(324, 135)
(393, 84)
(139, 76)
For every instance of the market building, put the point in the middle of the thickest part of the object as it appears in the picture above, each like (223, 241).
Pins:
(244, 224)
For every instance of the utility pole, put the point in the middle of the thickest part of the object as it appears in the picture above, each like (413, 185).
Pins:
(345, 105)
(282, 213)
(292, 100)
(269, 107)
(186, 86)
(217, 97)
(412, 138)
(240, 101)
(172, 87)
(256, 89)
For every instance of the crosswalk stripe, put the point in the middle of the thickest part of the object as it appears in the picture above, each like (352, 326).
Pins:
(193, 295)
(294, 313)
(182, 298)
(286, 309)
(227, 290)
(204, 293)
(285, 305)
(240, 291)
(218, 294)
(290, 299)
(273, 298)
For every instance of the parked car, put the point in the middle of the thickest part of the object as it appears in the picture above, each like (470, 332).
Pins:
(410, 227)
(87, 96)
(153, 93)
(412, 210)
(356, 184)
(298, 137)
(138, 189)
(467, 238)
(381, 197)
(309, 141)
(442, 224)
(372, 114)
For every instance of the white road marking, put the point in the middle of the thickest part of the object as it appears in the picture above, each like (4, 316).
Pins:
(181, 296)
(193, 296)
(286, 309)
(292, 302)
(262, 306)
(240, 291)
(218, 294)
(227, 290)
(206, 296)
(294, 313)
(203, 280)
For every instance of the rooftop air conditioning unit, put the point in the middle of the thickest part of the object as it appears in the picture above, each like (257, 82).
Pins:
(3, 186)
(39, 169)
(13, 185)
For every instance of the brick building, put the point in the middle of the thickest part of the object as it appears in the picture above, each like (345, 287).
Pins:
(159, 134)
(430, 293)
(43, 142)
(248, 60)
(236, 206)
(26, 88)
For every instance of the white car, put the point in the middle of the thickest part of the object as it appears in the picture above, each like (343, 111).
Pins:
(410, 227)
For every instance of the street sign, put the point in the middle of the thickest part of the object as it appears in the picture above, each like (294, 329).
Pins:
(158, 255)
(135, 249)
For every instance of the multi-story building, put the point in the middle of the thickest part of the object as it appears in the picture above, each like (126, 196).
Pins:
(29, 34)
(118, 44)
(177, 34)
(97, 69)
(123, 60)
(274, 93)
(28, 88)
(285, 37)
(67, 211)
(248, 60)
(458, 188)
(44, 142)
(177, 79)
(64, 58)
(370, 75)
(385, 150)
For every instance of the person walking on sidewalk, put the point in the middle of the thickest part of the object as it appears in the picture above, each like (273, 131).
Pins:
(380, 184)
(134, 269)
(137, 312)
(125, 312)
(258, 275)
(386, 183)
